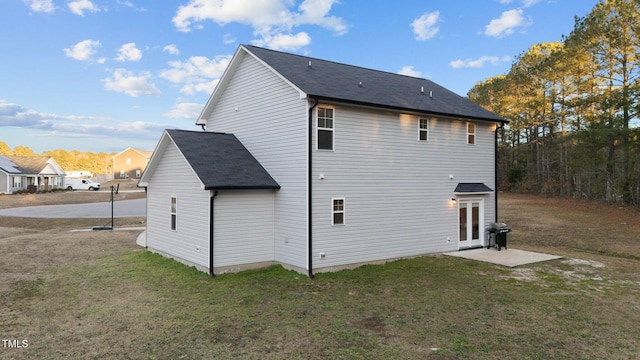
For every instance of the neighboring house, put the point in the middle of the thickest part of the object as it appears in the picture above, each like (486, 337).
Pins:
(321, 166)
(130, 163)
(19, 172)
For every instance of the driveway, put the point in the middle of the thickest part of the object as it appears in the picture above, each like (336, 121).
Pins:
(124, 208)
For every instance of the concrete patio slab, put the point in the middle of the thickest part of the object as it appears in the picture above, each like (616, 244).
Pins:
(509, 258)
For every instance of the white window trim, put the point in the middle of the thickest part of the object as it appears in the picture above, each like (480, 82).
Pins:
(343, 211)
(17, 181)
(421, 130)
(475, 130)
(173, 213)
(332, 129)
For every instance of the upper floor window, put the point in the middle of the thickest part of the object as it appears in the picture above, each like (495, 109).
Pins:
(128, 161)
(471, 133)
(424, 129)
(324, 128)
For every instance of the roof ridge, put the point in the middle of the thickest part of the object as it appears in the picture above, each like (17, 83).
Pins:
(338, 63)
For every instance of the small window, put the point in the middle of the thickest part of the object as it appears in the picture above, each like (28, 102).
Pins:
(137, 173)
(128, 161)
(174, 212)
(337, 217)
(424, 129)
(324, 132)
(122, 174)
(471, 133)
(17, 181)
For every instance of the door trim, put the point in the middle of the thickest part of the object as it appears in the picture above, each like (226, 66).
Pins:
(468, 201)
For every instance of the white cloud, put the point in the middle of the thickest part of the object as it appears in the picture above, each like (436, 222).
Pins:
(284, 41)
(506, 24)
(184, 111)
(45, 6)
(15, 115)
(130, 5)
(78, 7)
(315, 12)
(479, 62)
(127, 82)
(82, 51)
(196, 74)
(426, 26)
(129, 52)
(272, 20)
(529, 3)
(58, 127)
(206, 87)
(171, 49)
(409, 71)
(228, 39)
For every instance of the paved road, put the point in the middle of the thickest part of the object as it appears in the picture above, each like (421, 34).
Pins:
(124, 208)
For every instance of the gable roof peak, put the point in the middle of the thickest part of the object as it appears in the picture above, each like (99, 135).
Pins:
(333, 81)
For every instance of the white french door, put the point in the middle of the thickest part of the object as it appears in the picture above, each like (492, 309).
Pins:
(470, 221)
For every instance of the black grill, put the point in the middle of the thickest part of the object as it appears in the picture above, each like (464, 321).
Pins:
(498, 235)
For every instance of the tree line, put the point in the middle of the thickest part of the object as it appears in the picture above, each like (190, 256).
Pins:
(96, 163)
(573, 109)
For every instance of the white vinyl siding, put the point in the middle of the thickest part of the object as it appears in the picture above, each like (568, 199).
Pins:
(253, 96)
(190, 241)
(243, 227)
(399, 196)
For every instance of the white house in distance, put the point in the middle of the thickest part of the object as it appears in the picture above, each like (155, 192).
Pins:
(19, 173)
(320, 166)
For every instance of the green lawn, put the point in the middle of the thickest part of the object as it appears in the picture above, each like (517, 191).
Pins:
(119, 301)
(140, 305)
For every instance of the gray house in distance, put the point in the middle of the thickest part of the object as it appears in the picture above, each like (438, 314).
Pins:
(321, 166)
(18, 173)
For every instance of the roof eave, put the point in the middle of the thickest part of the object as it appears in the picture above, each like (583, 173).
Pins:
(240, 187)
(399, 108)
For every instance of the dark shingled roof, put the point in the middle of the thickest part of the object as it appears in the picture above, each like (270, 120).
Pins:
(472, 188)
(334, 81)
(221, 161)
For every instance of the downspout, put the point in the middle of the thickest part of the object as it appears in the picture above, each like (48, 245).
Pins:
(495, 169)
(309, 188)
(213, 196)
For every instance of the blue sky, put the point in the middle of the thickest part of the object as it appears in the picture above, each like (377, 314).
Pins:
(104, 75)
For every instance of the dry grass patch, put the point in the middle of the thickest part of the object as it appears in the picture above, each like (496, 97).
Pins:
(97, 295)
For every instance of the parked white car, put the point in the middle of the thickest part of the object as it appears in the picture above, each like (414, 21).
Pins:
(81, 184)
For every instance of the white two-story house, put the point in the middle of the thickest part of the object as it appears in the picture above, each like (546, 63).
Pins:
(320, 166)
